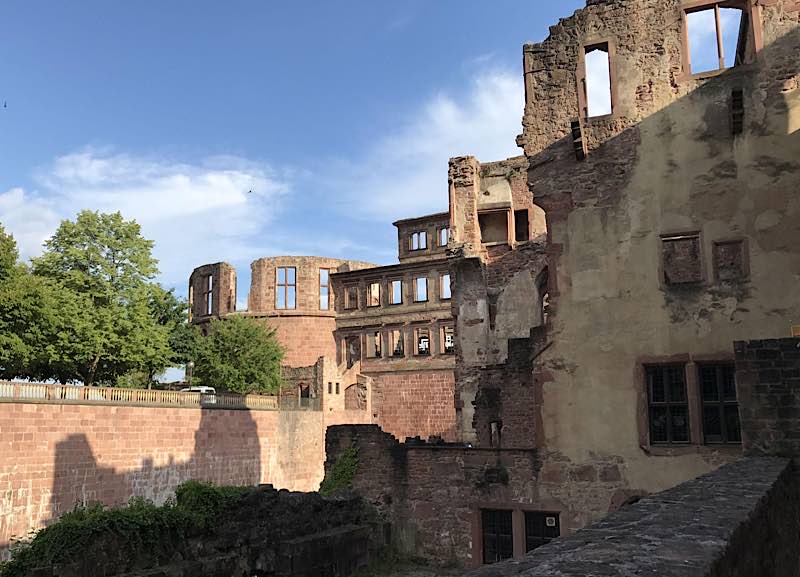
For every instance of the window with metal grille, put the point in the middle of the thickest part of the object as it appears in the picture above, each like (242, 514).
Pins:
(720, 405)
(668, 404)
(498, 535)
(540, 528)
(285, 287)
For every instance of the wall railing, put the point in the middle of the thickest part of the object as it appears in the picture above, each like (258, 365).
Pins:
(13, 392)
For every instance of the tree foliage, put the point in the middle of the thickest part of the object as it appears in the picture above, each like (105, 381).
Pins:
(239, 354)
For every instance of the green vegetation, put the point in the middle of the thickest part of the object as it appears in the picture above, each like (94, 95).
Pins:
(241, 353)
(141, 529)
(342, 473)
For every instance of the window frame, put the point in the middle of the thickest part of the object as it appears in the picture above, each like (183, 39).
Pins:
(391, 292)
(590, 43)
(208, 295)
(721, 403)
(443, 333)
(417, 336)
(442, 285)
(668, 403)
(349, 305)
(369, 294)
(400, 334)
(504, 551)
(544, 539)
(418, 241)
(285, 287)
(374, 344)
(416, 289)
(443, 230)
(327, 287)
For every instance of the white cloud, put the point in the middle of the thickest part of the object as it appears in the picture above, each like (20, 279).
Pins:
(405, 173)
(195, 213)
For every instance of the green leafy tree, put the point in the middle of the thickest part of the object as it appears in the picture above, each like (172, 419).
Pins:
(104, 264)
(8, 255)
(239, 354)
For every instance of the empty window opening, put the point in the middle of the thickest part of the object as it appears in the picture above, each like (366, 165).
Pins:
(444, 236)
(324, 289)
(397, 343)
(419, 240)
(540, 529)
(353, 350)
(423, 341)
(420, 289)
(720, 405)
(351, 297)
(668, 404)
(521, 226)
(495, 428)
(498, 535)
(597, 84)
(285, 288)
(337, 388)
(494, 227)
(396, 297)
(374, 345)
(717, 37)
(374, 294)
(208, 295)
(330, 388)
(449, 340)
(444, 287)
(304, 395)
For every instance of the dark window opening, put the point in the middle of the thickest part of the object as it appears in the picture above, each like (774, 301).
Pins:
(353, 346)
(597, 84)
(330, 388)
(494, 227)
(351, 298)
(718, 37)
(521, 226)
(498, 535)
(337, 388)
(720, 405)
(668, 404)
(540, 529)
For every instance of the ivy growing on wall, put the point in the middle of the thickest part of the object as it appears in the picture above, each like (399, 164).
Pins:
(342, 473)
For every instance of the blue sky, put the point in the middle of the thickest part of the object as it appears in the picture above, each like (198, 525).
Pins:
(338, 116)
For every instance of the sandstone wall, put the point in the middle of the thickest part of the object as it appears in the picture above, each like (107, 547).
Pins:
(53, 456)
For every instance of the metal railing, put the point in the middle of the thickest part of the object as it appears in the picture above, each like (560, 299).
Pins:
(12, 392)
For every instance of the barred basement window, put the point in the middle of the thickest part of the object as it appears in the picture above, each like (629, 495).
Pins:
(498, 535)
(540, 529)
(720, 405)
(668, 404)
(285, 288)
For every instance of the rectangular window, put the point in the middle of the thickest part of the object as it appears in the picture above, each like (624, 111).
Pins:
(353, 351)
(208, 295)
(396, 297)
(351, 297)
(540, 529)
(730, 261)
(374, 294)
(668, 404)
(324, 289)
(444, 236)
(498, 535)
(521, 226)
(330, 388)
(494, 227)
(423, 338)
(397, 343)
(717, 36)
(337, 388)
(720, 405)
(419, 240)
(449, 341)
(374, 344)
(597, 84)
(444, 287)
(680, 259)
(285, 287)
(420, 289)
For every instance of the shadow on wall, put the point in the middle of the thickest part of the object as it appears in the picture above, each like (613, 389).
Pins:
(226, 451)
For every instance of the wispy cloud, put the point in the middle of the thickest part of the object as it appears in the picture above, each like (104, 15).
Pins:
(405, 173)
(195, 212)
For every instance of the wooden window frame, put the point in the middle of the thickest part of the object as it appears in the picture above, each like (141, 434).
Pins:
(507, 537)
(668, 403)
(544, 539)
(721, 403)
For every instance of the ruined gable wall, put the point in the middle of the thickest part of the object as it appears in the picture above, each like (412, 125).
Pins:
(664, 162)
